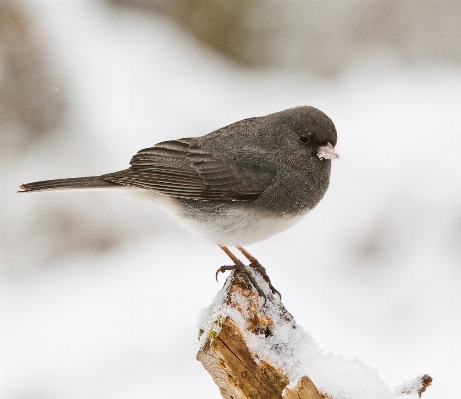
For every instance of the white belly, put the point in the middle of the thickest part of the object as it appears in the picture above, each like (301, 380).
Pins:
(234, 226)
(237, 227)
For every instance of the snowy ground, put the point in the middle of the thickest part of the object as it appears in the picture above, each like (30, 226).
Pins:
(373, 273)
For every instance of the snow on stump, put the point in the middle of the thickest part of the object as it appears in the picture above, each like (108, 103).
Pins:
(253, 349)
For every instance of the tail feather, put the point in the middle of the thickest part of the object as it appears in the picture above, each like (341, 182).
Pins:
(63, 184)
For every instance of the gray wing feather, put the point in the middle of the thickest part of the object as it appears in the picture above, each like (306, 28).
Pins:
(181, 168)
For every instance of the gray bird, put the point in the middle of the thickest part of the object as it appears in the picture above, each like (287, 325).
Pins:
(235, 186)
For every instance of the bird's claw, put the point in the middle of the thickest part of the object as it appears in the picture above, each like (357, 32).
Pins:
(223, 269)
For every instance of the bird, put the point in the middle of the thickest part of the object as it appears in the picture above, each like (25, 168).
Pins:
(235, 186)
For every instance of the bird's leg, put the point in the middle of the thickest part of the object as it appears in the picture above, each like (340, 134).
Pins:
(259, 268)
(238, 265)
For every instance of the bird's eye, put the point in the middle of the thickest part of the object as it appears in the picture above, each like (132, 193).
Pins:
(305, 138)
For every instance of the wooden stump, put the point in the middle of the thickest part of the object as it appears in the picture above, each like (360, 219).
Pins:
(235, 368)
(240, 316)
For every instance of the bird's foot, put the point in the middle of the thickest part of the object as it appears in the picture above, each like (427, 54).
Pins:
(262, 271)
(241, 268)
(254, 263)
(223, 269)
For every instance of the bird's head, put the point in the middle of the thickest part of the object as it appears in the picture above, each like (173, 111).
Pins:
(308, 129)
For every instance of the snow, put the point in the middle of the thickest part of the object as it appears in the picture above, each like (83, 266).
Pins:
(372, 273)
(291, 349)
(412, 387)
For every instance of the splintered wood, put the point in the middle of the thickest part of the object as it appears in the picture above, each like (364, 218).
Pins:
(417, 385)
(236, 370)
(305, 390)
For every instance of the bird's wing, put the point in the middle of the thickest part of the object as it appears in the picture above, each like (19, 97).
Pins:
(182, 168)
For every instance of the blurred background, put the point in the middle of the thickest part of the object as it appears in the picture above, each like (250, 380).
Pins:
(101, 292)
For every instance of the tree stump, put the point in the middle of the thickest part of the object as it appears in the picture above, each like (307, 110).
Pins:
(249, 344)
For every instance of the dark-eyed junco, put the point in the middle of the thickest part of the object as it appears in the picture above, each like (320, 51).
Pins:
(237, 185)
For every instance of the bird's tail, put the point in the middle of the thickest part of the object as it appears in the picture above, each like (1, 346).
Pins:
(63, 184)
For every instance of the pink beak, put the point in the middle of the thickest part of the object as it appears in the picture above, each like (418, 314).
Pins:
(327, 152)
